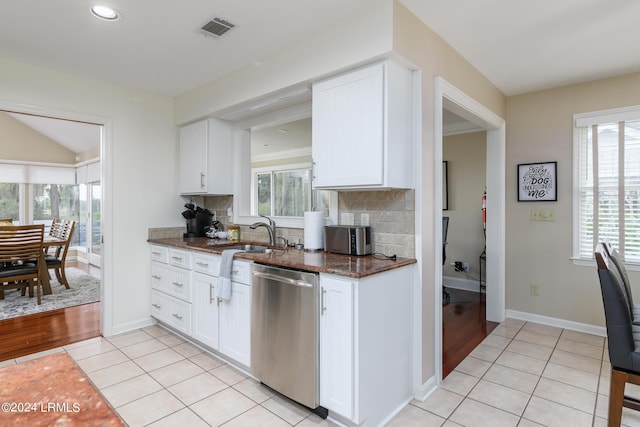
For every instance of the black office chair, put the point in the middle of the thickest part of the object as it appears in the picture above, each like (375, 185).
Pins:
(446, 298)
(623, 337)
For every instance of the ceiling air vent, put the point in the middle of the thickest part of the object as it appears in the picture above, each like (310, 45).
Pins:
(217, 27)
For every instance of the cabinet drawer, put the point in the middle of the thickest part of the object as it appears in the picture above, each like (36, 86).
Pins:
(180, 258)
(159, 253)
(172, 311)
(171, 280)
(206, 263)
(241, 272)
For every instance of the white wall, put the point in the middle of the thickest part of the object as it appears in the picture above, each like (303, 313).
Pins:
(140, 190)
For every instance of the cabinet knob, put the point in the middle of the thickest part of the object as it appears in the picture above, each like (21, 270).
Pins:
(178, 284)
(157, 306)
(177, 316)
(157, 277)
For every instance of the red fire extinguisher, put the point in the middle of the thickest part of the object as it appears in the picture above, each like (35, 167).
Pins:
(484, 210)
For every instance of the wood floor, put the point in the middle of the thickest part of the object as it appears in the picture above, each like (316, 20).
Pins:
(24, 335)
(463, 328)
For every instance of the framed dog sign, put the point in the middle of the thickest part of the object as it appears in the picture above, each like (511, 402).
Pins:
(537, 182)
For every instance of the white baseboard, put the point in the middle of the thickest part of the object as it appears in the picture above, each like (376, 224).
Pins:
(560, 323)
(458, 283)
(422, 391)
(131, 326)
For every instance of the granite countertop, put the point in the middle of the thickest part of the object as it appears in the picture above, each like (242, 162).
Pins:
(316, 261)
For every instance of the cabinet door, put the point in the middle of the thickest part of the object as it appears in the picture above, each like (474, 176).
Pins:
(348, 129)
(193, 158)
(205, 309)
(235, 324)
(337, 345)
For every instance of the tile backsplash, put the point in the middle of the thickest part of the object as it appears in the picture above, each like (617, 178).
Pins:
(391, 217)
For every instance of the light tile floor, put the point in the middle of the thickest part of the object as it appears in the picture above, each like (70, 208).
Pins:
(523, 374)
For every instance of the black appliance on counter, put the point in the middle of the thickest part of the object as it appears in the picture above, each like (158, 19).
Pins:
(198, 220)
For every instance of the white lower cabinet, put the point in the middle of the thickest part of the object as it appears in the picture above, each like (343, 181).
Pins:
(184, 296)
(235, 323)
(171, 287)
(205, 310)
(366, 345)
(336, 345)
(176, 313)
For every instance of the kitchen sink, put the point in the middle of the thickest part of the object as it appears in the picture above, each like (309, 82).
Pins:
(255, 249)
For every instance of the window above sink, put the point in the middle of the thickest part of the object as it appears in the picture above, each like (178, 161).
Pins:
(274, 169)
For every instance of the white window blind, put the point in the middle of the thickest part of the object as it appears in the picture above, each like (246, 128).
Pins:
(24, 173)
(89, 172)
(609, 182)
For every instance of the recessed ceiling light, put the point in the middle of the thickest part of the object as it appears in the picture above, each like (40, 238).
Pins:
(104, 12)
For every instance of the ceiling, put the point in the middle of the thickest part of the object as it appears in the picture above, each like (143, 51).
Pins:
(158, 46)
(528, 46)
(75, 136)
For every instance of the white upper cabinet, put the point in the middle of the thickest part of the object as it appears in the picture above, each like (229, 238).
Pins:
(206, 157)
(362, 129)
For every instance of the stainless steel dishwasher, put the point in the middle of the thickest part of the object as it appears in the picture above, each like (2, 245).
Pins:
(284, 332)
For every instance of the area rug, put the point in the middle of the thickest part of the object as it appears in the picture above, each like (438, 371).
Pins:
(84, 289)
(52, 391)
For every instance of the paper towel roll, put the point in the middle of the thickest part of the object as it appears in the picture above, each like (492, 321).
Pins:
(313, 230)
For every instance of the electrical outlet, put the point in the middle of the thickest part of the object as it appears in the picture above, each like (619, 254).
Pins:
(364, 219)
(543, 215)
(347, 218)
(465, 266)
(534, 289)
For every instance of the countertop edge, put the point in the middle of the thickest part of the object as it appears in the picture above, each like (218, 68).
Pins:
(341, 265)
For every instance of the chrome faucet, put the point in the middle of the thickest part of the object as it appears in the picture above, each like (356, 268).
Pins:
(271, 228)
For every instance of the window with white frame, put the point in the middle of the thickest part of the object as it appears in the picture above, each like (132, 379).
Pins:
(607, 176)
(286, 191)
(10, 201)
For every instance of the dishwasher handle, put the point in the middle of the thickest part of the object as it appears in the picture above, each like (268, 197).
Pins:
(282, 279)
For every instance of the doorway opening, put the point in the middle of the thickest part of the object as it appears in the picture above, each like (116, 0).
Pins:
(57, 174)
(451, 99)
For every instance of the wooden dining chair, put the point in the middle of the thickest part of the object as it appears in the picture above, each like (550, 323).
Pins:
(19, 246)
(54, 229)
(623, 337)
(57, 260)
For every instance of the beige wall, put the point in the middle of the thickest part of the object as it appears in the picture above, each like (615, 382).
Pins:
(466, 156)
(20, 142)
(540, 128)
(420, 45)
